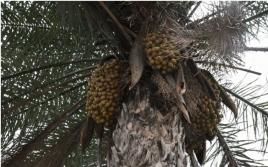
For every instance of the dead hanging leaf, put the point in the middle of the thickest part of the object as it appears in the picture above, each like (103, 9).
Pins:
(165, 87)
(196, 73)
(210, 90)
(177, 86)
(182, 106)
(203, 80)
(136, 61)
(226, 99)
(86, 133)
(171, 81)
(200, 151)
(99, 129)
(180, 81)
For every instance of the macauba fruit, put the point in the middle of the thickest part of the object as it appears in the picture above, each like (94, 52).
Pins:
(161, 52)
(206, 119)
(103, 92)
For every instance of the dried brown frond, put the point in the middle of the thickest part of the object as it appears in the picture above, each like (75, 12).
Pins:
(224, 35)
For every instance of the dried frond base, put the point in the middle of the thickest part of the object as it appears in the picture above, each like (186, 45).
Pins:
(154, 139)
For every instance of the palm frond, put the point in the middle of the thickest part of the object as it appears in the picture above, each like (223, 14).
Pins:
(194, 9)
(231, 151)
(39, 87)
(247, 102)
(253, 109)
(220, 66)
(26, 149)
(46, 67)
(58, 153)
(263, 49)
(48, 84)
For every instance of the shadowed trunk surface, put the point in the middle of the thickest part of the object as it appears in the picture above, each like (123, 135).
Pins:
(146, 137)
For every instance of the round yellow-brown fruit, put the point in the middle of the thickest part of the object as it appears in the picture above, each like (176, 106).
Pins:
(207, 118)
(103, 91)
(161, 51)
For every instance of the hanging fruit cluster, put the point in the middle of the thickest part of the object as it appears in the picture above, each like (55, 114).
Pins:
(208, 118)
(104, 90)
(161, 51)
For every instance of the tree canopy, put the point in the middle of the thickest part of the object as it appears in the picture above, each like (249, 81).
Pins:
(50, 48)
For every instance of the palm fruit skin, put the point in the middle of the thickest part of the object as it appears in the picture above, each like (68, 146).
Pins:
(161, 51)
(103, 97)
(205, 121)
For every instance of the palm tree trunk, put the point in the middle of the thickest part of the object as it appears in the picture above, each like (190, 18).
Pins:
(145, 137)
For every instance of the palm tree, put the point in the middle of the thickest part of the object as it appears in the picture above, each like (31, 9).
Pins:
(169, 107)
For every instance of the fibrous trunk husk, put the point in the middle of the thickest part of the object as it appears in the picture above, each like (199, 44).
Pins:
(144, 137)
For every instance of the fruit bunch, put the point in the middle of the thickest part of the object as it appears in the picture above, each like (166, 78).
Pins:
(103, 95)
(161, 51)
(208, 118)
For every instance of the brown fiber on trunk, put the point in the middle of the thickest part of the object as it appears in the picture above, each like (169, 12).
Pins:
(145, 137)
